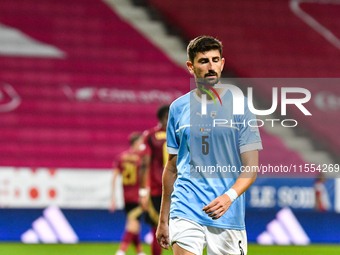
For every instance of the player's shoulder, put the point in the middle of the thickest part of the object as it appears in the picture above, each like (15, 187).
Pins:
(129, 155)
(120, 156)
(124, 153)
(182, 99)
(179, 102)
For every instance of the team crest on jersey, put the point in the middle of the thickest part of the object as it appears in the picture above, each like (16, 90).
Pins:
(213, 114)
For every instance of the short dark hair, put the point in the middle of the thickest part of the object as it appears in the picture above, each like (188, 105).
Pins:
(134, 136)
(162, 111)
(201, 44)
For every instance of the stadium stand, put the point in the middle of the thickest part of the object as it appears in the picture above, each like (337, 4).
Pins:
(272, 39)
(76, 109)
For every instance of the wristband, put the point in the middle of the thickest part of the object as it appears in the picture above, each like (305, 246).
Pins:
(143, 192)
(232, 194)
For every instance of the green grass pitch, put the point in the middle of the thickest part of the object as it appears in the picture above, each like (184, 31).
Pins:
(110, 249)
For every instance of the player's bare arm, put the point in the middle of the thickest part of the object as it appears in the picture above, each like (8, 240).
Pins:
(221, 204)
(113, 194)
(169, 178)
(144, 172)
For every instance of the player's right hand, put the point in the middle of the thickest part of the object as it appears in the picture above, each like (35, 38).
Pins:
(217, 207)
(162, 235)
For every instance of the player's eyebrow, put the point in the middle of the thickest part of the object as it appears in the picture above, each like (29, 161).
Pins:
(200, 60)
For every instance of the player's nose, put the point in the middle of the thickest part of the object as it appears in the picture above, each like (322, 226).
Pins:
(211, 65)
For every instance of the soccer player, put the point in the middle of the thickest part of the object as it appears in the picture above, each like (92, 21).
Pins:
(127, 164)
(207, 208)
(153, 161)
(322, 201)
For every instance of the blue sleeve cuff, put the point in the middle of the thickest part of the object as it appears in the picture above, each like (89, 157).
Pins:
(251, 147)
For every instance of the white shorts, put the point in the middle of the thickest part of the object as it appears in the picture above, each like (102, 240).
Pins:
(193, 237)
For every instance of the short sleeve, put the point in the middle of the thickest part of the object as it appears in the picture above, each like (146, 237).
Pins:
(249, 136)
(171, 140)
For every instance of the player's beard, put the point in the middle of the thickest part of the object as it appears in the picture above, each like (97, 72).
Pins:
(209, 81)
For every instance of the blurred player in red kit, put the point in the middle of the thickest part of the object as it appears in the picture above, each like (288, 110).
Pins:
(127, 164)
(322, 201)
(154, 157)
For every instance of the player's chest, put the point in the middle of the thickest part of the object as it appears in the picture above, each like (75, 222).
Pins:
(217, 122)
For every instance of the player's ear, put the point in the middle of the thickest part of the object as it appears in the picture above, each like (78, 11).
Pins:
(190, 67)
(222, 64)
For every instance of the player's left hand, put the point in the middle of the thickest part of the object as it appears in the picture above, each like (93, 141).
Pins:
(217, 207)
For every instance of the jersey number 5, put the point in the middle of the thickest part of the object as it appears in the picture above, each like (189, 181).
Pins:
(205, 145)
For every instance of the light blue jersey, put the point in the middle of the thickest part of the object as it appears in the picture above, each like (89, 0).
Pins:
(208, 152)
